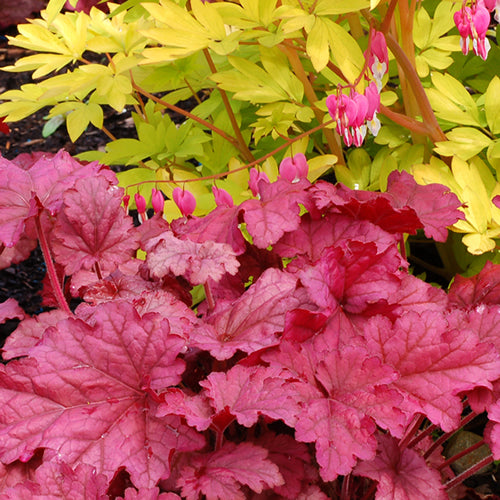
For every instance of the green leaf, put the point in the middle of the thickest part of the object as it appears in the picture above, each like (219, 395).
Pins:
(492, 105)
(464, 142)
(52, 125)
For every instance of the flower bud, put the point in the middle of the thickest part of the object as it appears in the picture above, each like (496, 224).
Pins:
(294, 169)
(184, 200)
(222, 197)
(255, 178)
(126, 201)
(157, 200)
(140, 203)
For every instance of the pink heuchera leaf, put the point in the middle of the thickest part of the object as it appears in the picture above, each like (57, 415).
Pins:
(342, 422)
(220, 225)
(10, 309)
(277, 211)
(417, 295)
(401, 473)
(293, 460)
(378, 208)
(148, 494)
(435, 205)
(86, 392)
(482, 288)
(93, 228)
(26, 243)
(353, 275)
(197, 262)
(45, 179)
(314, 235)
(435, 362)
(341, 435)
(220, 475)
(194, 408)
(29, 332)
(56, 480)
(16, 202)
(247, 392)
(252, 321)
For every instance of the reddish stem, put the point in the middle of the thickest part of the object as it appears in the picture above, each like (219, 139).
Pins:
(446, 436)
(413, 428)
(209, 296)
(461, 454)
(468, 473)
(51, 270)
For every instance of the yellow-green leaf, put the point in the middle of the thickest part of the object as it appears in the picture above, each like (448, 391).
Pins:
(463, 142)
(317, 46)
(492, 105)
(53, 9)
(329, 8)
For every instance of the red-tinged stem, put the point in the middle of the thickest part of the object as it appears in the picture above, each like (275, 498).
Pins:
(428, 116)
(384, 27)
(219, 439)
(405, 121)
(209, 296)
(51, 270)
(426, 432)
(456, 457)
(411, 431)
(446, 436)
(193, 117)
(244, 167)
(468, 473)
(370, 492)
(298, 69)
(345, 492)
(237, 132)
(98, 272)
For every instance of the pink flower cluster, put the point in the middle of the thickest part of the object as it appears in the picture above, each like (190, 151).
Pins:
(472, 23)
(355, 114)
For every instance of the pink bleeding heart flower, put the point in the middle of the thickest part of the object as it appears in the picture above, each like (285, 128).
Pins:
(184, 200)
(254, 181)
(373, 96)
(294, 169)
(481, 22)
(222, 197)
(140, 203)
(157, 200)
(358, 124)
(493, 5)
(126, 201)
(472, 24)
(378, 56)
(355, 114)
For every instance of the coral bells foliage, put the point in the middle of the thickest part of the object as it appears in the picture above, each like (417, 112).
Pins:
(314, 354)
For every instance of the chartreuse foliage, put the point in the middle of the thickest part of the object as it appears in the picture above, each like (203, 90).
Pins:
(257, 73)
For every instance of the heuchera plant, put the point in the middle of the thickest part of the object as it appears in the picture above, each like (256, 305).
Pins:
(414, 82)
(316, 366)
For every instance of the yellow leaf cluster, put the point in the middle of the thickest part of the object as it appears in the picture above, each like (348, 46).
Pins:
(475, 187)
